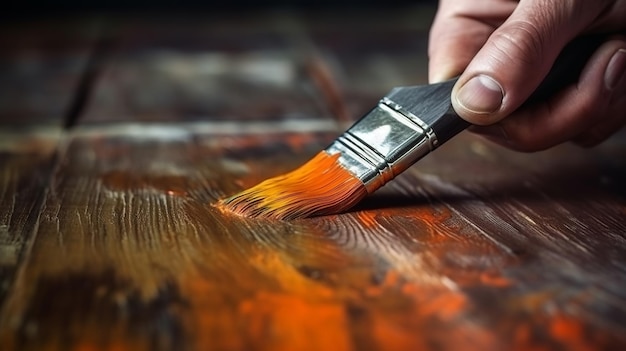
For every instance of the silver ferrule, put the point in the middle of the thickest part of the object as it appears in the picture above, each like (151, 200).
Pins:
(383, 144)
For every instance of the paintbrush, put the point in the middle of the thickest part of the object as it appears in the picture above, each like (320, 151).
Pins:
(405, 125)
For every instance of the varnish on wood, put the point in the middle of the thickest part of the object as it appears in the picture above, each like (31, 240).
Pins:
(477, 248)
(110, 238)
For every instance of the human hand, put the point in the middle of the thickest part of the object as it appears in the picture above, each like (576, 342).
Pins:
(509, 46)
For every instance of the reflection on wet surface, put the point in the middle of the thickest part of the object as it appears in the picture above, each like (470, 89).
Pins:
(128, 238)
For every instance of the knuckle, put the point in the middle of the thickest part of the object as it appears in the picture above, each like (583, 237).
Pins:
(520, 42)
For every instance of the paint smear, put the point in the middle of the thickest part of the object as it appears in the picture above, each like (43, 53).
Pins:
(321, 186)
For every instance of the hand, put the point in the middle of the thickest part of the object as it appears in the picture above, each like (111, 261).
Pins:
(503, 49)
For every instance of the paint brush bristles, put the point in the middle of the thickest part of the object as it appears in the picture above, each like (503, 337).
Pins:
(320, 186)
(406, 125)
(378, 147)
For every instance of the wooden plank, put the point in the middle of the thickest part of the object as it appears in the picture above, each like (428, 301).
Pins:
(561, 213)
(42, 62)
(371, 51)
(26, 160)
(514, 252)
(268, 66)
(209, 67)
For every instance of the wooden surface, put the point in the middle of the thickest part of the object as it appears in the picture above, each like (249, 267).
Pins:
(109, 240)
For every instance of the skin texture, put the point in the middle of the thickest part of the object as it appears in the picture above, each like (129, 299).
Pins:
(510, 46)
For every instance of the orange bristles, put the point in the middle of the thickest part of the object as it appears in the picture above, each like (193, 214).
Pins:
(321, 186)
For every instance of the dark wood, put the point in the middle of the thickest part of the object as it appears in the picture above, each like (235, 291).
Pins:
(363, 47)
(26, 161)
(221, 67)
(131, 254)
(110, 239)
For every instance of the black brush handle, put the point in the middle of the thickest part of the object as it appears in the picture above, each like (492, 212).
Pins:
(568, 66)
(565, 71)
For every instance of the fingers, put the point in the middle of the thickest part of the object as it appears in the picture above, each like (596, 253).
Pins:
(615, 81)
(587, 112)
(516, 58)
(505, 48)
(458, 32)
(451, 50)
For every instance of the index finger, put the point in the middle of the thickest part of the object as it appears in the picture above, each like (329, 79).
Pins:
(458, 32)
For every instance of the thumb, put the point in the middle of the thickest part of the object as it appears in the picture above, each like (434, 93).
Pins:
(516, 58)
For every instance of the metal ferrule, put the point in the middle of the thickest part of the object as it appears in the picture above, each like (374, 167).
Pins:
(383, 143)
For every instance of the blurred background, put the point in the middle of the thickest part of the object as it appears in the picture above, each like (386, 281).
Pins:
(48, 6)
(71, 62)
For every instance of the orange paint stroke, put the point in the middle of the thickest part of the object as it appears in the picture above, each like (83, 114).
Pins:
(570, 332)
(368, 219)
(288, 322)
(321, 186)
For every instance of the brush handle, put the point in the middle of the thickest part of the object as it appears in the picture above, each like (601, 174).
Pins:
(567, 67)
(410, 122)
(565, 71)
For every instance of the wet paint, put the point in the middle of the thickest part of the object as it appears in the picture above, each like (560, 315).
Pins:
(321, 186)
(154, 263)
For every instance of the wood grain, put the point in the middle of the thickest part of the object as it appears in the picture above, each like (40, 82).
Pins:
(109, 239)
(130, 254)
(26, 161)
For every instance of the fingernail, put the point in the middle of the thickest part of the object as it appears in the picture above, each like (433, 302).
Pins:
(615, 69)
(442, 74)
(481, 94)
